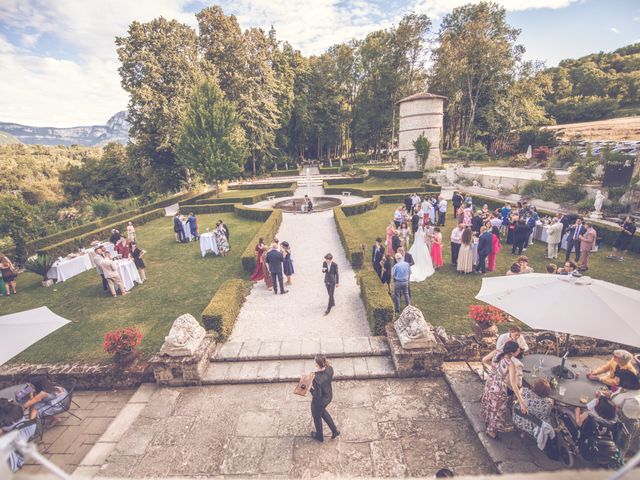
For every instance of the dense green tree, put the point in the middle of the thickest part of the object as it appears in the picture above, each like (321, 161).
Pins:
(159, 66)
(212, 141)
(18, 220)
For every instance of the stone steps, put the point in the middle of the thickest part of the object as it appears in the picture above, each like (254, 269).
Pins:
(301, 349)
(281, 371)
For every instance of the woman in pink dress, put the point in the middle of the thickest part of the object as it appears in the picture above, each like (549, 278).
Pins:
(496, 248)
(468, 214)
(258, 272)
(390, 232)
(436, 248)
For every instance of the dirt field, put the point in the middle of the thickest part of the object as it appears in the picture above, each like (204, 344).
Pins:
(627, 128)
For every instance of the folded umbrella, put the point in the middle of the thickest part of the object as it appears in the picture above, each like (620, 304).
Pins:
(564, 303)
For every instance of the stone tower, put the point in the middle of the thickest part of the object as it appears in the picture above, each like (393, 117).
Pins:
(421, 113)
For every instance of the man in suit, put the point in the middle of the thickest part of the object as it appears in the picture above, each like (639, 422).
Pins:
(377, 253)
(441, 208)
(456, 241)
(573, 242)
(587, 242)
(274, 261)
(177, 227)
(456, 200)
(485, 248)
(554, 237)
(408, 202)
(321, 396)
(331, 279)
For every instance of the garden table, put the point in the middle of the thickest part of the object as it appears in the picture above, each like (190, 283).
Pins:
(68, 267)
(208, 243)
(128, 273)
(575, 389)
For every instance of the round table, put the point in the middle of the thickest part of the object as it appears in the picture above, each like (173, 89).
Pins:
(575, 389)
(208, 243)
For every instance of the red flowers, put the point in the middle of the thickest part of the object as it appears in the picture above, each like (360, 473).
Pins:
(486, 315)
(123, 340)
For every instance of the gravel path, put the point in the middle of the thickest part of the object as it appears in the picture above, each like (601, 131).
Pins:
(299, 313)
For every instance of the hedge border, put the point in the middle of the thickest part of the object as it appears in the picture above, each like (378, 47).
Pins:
(268, 230)
(203, 209)
(362, 207)
(395, 174)
(329, 170)
(345, 181)
(350, 241)
(376, 299)
(262, 186)
(259, 214)
(221, 313)
(249, 200)
(285, 173)
(422, 190)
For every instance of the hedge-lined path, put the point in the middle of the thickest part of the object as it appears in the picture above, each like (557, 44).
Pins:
(300, 313)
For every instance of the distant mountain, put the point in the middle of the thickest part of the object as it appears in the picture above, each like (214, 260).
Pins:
(6, 139)
(116, 130)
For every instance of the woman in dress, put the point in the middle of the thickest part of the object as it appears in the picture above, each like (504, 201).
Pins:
(221, 239)
(258, 272)
(404, 234)
(386, 265)
(391, 230)
(137, 254)
(9, 274)
(491, 266)
(465, 256)
(538, 404)
(288, 261)
(467, 215)
(131, 232)
(436, 248)
(423, 268)
(495, 399)
(45, 399)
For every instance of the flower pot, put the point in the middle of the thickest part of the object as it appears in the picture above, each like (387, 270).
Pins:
(481, 331)
(124, 358)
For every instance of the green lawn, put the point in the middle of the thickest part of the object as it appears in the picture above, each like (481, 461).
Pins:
(445, 297)
(179, 281)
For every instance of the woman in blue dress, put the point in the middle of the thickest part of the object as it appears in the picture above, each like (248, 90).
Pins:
(288, 261)
(45, 400)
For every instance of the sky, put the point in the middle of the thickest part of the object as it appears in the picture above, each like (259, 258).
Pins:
(58, 63)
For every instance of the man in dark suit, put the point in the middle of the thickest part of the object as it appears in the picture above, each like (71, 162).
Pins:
(321, 396)
(377, 253)
(408, 203)
(331, 279)
(573, 241)
(456, 200)
(274, 261)
(485, 248)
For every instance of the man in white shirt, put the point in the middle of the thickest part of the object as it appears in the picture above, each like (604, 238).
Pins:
(110, 272)
(398, 217)
(456, 241)
(442, 211)
(415, 200)
(514, 335)
(495, 221)
(97, 260)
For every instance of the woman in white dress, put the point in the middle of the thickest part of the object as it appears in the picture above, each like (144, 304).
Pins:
(423, 267)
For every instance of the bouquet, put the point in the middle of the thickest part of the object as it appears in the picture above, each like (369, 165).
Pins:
(122, 341)
(486, 315)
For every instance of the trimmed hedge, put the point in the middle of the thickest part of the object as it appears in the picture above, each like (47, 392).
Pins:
(202, 209)
(345, 181)
(259, 214)
(72, 244)
(262, 186)
(250, 200)
(361, 207)
(349, 238)
(395, 174)
(223, 309)
(285, 173)
(267, 231)
(377, 301)
(399, 197)
(364, 192)
(329, 170)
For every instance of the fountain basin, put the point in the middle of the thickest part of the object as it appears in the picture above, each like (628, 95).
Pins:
(320, 204)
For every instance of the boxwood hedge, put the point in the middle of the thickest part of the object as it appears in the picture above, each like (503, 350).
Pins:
(377, 301)
(223, 309)
(262, 186)
(395, 174)
(202, 209)
(349, 238)
(345, 181)
(267, 231)
(361, 207)
(285, 173)
(329, 170)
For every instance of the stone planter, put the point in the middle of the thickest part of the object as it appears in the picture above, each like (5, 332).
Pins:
(481, 332)
(124, 359)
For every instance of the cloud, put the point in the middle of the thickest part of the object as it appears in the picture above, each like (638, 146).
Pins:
(614, 30)
(439, 7)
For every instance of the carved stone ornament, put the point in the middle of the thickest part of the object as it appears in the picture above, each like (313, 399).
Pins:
(413, 330)
(184, 337)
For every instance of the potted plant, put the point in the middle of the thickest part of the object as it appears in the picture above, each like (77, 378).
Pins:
(40, 264)
(484, 319)
(122, 345)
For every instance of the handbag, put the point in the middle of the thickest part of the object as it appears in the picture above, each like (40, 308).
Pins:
(304, 384)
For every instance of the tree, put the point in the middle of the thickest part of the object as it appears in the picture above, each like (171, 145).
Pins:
(212, 140)
(19, 221)
(159, 68)
(422, 147)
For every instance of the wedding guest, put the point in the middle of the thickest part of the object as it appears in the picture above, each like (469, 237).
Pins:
(587, 243)
(111, 273)
(287, 264)
(11, 415)
(221, 239)
(377, 252)
(258, 271)
(415, 221)
(386, 265)
(426, 211)
(476, 222)
(532, 222)
(511, 228)
(573, 241)
(44, 401)
(404, 234)
(137, 255)
(177, 228)
(485, 248)
(436, 248)
(465, 256)
(398, 217)
(274, 261)
(513, 335)
(554, 237)
(131, 232)
(506, 217)
(9, 274)
(523, 260)
(568, 268)
(539, 405)
(491, 259)
(456, 201)
(97, 260)
(627, 401)
(467, 214)
(2, 287)
(520, 237)
(468, 200)
(495, 221)
(627, 230)
(122, 248)
(514, 269)
(115, 236)
(331, 279)
(226, 231)
(456, 240)
(552, 268)
(391, 231)
(621, 360)
(192, 220)
(442, 211)
(401, 272)
(502, 378)
(321, 396)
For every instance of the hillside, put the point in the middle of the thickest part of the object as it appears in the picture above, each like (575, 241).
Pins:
(7, 139)
(618, 129)
(115, 130)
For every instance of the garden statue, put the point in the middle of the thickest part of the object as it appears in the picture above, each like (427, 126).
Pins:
(412, 329)
(597, 204)
(184, 338)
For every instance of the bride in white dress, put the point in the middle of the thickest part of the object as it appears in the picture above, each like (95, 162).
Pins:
(423, 267)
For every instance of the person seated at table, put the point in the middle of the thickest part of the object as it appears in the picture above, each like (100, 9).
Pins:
(11, 416)
(514, 335)
(552, 268)
(45, 400)
(627, 400)
(122, 248)
(514, 269)
(568, 269)
(539, 404)
(606, 374)
(523, 260)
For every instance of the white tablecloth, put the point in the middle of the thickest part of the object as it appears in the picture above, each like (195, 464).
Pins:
(128, 273)
(208, 243)
(186, 230)
(91, 251)
(66, 268)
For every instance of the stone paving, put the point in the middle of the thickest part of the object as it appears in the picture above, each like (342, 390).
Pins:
(67, 443)
(390, 428)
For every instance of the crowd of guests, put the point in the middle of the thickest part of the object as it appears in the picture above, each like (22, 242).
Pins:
(187, 229)
(124, 248)
(273, 263)
(507, 403)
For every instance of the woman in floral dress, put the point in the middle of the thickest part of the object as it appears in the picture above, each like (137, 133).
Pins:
(221, 239)
(539, 405)
(495, 399)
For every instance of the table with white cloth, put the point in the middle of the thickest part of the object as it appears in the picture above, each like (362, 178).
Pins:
(187, 230)
(69, 267)
(540, 233)
(128, 273)
(474, 249)
(106, 246)
(208, 243)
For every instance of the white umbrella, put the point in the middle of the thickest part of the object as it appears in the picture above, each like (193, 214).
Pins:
(19, 331)
(563, 303)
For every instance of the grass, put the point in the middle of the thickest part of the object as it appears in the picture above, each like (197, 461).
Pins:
(445, 297)
(179, 281)
(375, 183)
(248, 193)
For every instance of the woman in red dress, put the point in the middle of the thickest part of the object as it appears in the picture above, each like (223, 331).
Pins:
(496, 248)
(258, 272)
(436, 248)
